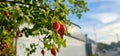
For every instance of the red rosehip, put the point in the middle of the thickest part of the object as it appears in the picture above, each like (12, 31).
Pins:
(53, 51)
(5, 46)
(43, 52)
(15, 47)
(61, 30)
(6, 13)
(0, 52)
(18, 34)
(56, 26)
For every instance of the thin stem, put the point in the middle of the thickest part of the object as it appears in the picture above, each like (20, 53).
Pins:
(76, 25)
(39, 42)
(15, 45)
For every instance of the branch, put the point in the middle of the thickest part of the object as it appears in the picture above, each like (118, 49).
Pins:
(76, 25)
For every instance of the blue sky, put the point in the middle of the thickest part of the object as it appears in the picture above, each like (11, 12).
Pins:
(104, 16)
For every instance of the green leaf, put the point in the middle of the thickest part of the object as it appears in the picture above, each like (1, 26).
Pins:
(45, 1)
(63, 0)
(23, 20)
(59, 46)
(34, 44)
(33, 50)
(73, 11)
(45, 43)
(4, 31)
(28, 20)
(56, 4)
(27, 49)
(27, 1)
(28, 54)
(70, 1)
(36, 32)
(56, 0)
(64, 43)
(31, 45)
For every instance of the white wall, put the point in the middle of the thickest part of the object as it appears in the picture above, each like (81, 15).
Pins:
(74, 48)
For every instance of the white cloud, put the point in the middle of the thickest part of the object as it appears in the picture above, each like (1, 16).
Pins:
(108, 33)
(111, 28)
(105, 17)
(108, 40)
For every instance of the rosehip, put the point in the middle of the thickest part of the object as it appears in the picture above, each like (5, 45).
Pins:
(5, 46)
(15, 47)
(18, 34)
(43, 52)
(6, 13)
(61, 30)
(0, 52)
(56, 26)
(53, 51)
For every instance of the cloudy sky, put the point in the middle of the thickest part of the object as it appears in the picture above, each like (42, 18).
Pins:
(103, 17)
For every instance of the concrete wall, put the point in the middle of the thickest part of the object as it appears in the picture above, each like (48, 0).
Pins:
(74, 47)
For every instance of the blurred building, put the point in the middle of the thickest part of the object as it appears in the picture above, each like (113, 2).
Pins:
(91, 47)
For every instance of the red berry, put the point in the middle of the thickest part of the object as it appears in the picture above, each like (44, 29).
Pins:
(15, 47)
(61, 30)
(53, 51)
(56, 26)
(43, 52)
(0, 52)
(18, 34)
(6, 13)
(5, 46)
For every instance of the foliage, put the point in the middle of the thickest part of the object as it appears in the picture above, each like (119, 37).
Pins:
(102, 46)
(114, 45)
(41, 14)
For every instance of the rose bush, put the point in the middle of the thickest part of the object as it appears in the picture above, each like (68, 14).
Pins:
(43, 15)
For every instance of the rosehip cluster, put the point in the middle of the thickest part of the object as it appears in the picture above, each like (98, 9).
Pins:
(59, 28)
(3, 46)
(53, 51)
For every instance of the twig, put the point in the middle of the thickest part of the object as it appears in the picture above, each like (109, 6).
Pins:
(16, 45)
(75, 25)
